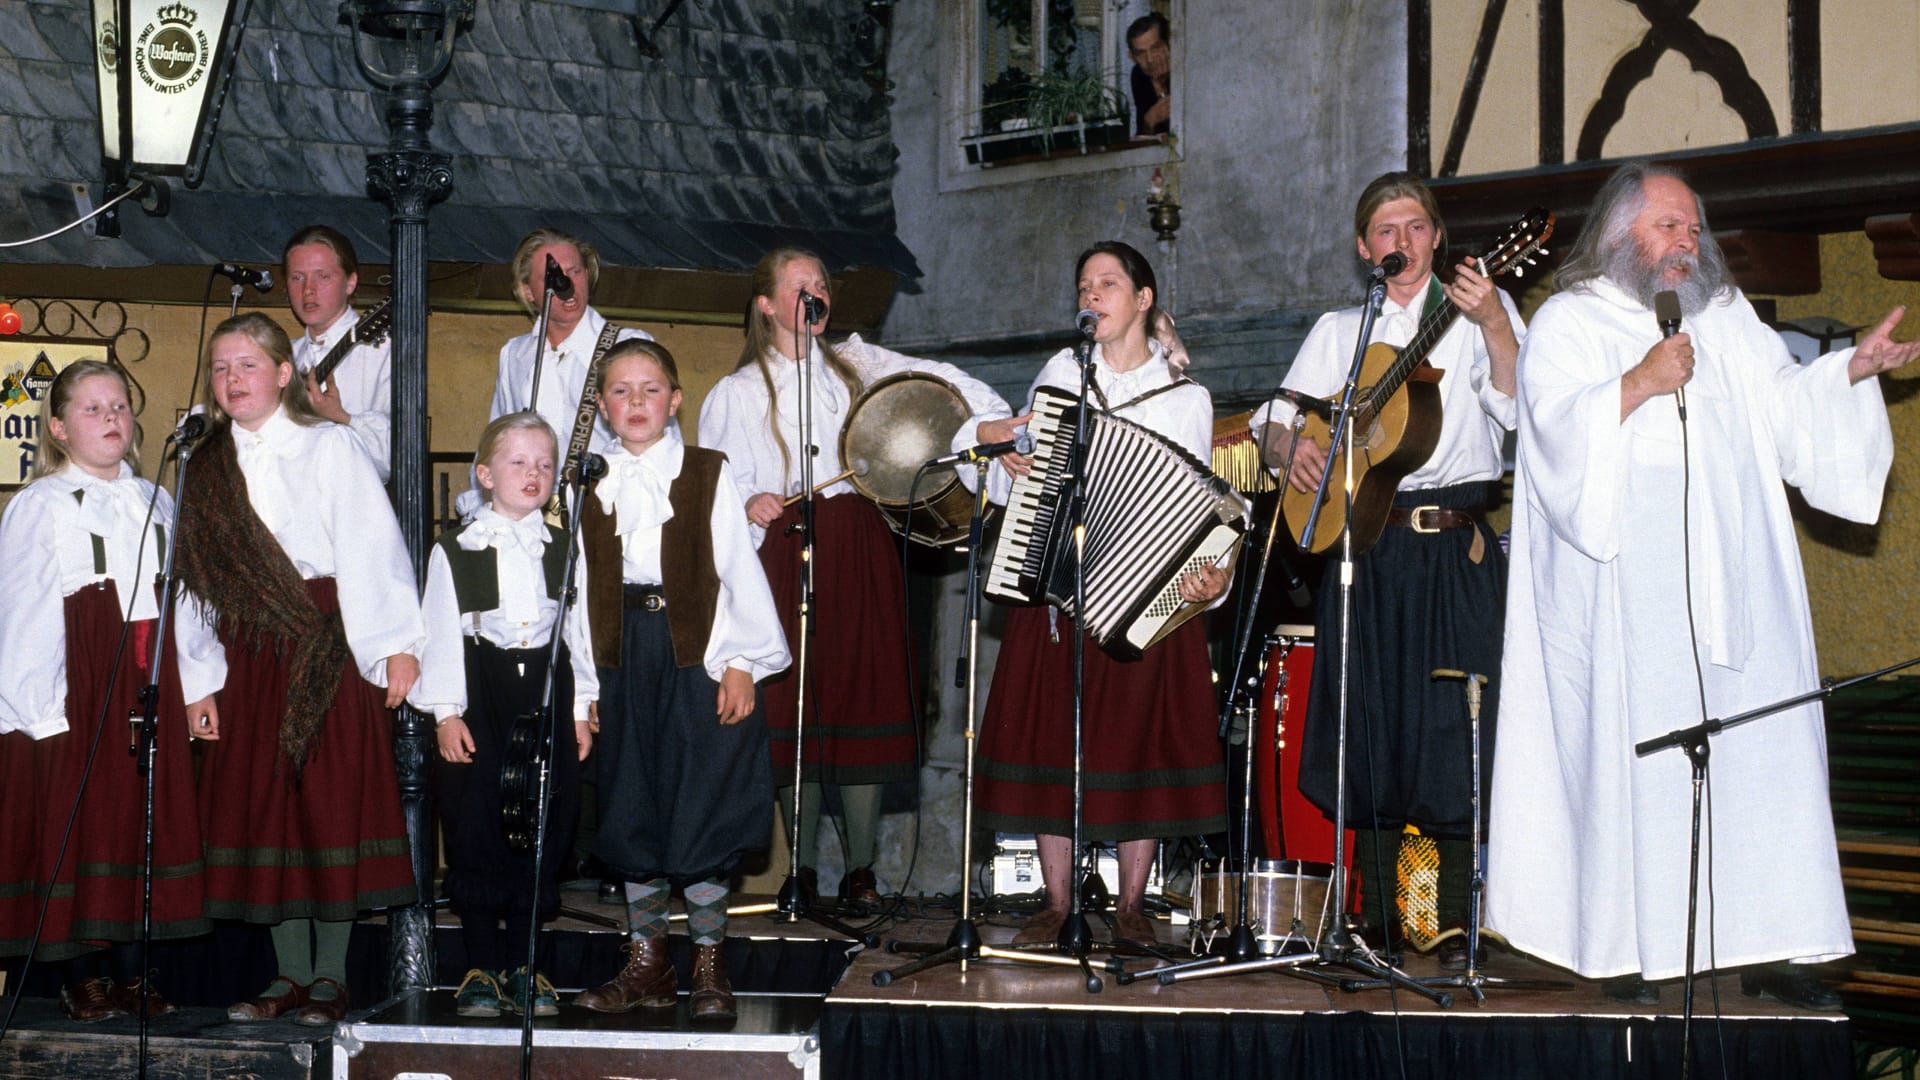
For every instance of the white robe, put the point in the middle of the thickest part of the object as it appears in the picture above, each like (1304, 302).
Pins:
(1588, 843)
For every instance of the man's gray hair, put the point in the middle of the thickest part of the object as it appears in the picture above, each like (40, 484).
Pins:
(1607, 236)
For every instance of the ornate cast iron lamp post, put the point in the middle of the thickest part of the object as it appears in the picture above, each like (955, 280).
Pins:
(404, 48)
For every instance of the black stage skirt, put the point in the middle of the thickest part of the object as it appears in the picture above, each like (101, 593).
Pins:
(484, 876)
(327, 843)
(97, 894)
(681, 796)
(860, 706)
(1419, 602)
(1154, 766)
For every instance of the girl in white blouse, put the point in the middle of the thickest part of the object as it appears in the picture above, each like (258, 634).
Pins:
(87, 541)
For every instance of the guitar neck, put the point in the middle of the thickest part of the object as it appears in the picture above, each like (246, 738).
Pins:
(1432, 329)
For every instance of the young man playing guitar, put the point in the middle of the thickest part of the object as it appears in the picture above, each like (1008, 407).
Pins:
(1431, 592)
(353, 383)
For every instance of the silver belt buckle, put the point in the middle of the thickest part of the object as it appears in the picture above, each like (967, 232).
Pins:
(1413, 520)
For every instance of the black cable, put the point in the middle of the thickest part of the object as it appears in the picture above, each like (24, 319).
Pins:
(86, 771)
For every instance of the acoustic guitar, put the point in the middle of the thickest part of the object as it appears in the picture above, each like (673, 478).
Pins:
(372, 329)
(1396, 410)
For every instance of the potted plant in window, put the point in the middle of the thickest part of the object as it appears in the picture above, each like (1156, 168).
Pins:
(1040, 115)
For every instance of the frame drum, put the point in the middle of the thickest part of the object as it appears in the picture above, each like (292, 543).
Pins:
(1286, 902)
(899, 424)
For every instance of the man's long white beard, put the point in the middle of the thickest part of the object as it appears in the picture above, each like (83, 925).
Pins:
(1642, 280)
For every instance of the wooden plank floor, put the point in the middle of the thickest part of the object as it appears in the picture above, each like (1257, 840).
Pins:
(1001, 984)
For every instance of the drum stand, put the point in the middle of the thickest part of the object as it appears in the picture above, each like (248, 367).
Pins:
(1693, 741)
(792, 904)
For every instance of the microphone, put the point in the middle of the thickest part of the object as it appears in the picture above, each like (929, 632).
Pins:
(1086, 321)
(1389, 266)
(1019, 444)
(592, 467)
(190, 431)
(814, 306)
(1666, 308)
(1306, 403)
(558, 283)
(261, 280)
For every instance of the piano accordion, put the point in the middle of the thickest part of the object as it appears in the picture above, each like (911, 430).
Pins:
(1154, 513)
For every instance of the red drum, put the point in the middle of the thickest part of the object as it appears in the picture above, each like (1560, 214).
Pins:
(1291, 827)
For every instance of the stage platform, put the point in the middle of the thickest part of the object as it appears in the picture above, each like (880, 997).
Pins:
(998, 1020)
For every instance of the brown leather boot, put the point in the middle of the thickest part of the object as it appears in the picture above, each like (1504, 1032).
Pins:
(647, 981)
(712, 993)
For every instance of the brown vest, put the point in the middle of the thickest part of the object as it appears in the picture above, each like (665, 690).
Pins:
(690, 581)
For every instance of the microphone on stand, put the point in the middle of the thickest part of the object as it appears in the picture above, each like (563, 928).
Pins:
(191, 430)
(1389, 266)
(1087, 321)
(261, 280)
(1306, 403)
(814, 306)
(592, 467)
(558, 283)
(1666, 308)
(1019, 444)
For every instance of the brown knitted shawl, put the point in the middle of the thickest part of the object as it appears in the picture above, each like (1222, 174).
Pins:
(233, 565)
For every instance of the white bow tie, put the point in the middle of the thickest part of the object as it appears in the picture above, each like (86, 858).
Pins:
(529, 534)
(518, 547)
(116, 511)
(634, 493)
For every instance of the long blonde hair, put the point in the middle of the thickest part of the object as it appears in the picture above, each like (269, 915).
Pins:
(760, 340)
(51, 456)
(273, 341)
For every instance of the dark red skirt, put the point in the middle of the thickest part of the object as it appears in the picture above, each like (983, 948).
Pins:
(860, 704)
(1153, 761)
(97, 893)
(326, 844)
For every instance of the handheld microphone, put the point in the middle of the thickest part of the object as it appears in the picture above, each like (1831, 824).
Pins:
(814, 306)
(558, 283)
(1087, 321)
(592, 467)
(190, 431)
(261, 280)
(1019, 444)
(1666, 308)
(1389, 266)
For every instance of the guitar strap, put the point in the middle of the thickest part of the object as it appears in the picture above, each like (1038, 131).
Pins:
(584, 418)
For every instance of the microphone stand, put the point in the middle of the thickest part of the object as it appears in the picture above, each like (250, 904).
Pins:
(145, 717)
(590, 468)
(1693, 741)
(792, 905)
(963, 941)
(1341, 948)
(539, 343)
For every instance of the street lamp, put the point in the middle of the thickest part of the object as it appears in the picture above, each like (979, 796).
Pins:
(404, 48)
(161, 67)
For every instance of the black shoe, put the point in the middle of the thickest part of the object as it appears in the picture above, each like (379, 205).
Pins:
(1631, 990)
(1791, 984)
(1453, 954)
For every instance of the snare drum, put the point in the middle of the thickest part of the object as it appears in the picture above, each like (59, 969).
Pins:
(1286, 903)
(1289, 824)
(899, 424)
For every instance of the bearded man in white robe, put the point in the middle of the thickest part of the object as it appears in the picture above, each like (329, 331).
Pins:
(1656, 582)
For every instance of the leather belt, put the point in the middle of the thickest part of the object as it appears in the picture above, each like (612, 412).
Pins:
(647, 597)
(1431, 519)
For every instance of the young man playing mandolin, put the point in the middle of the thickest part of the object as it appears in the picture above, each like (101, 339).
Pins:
(1432, 591)
(322, 274)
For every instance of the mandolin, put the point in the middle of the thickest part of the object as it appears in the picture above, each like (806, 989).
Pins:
(372, 329)
(1396, 410)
